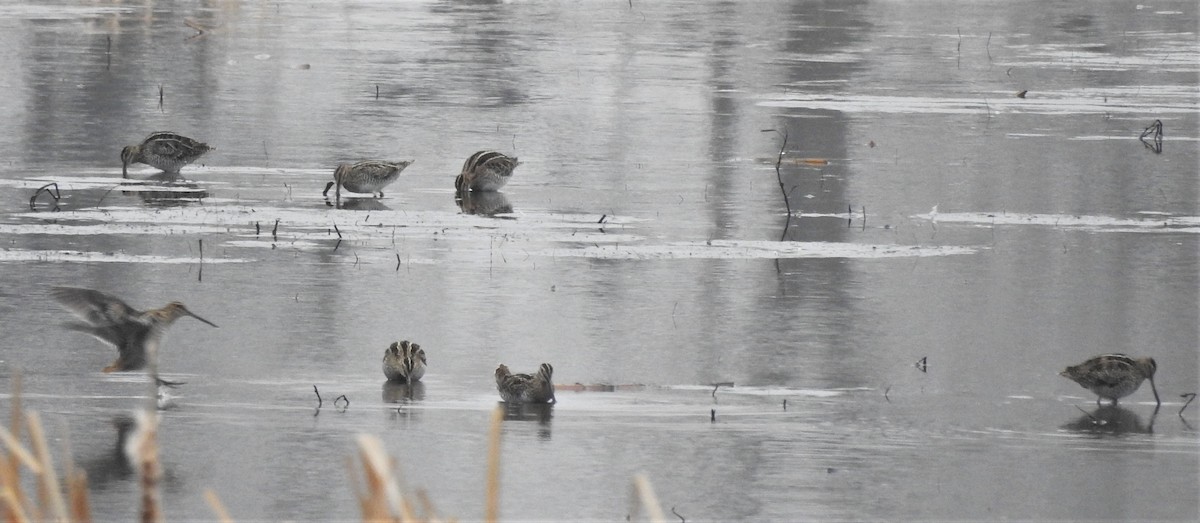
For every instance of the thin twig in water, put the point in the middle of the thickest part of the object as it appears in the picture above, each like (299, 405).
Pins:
(335, 229)
(318, 393)
(1089, 414)
(343, 398)
(885, 393)
(1190, 396)
(160, 98)
(718, 385)
(779, 178)
(275, 231)
(678, 516)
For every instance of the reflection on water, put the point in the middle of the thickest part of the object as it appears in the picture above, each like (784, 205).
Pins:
(400, 392)
(1112, 420)
(542, 413)
(360, 204)
(483, 203)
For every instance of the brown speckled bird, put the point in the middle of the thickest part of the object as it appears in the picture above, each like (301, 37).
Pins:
(134, 333)
(404, 361)
(485, 171)
(163, 150)
(1113, 376)
(526, 388)
(369, 177)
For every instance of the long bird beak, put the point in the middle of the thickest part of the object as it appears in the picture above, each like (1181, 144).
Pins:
(1155, 390)
(189, 313)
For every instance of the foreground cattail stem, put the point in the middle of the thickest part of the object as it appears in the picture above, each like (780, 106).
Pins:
(492, 502)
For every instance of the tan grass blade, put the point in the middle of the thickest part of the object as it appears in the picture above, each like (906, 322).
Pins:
(644, 497)
(217, 507)
(48, 486)
(492, 502)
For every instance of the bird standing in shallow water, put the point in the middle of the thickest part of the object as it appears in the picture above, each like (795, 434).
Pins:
(526, 388)
(485, 171)
(1113, 376)
(163, 150)
(404, 361)
(370, 177)
(134, 333)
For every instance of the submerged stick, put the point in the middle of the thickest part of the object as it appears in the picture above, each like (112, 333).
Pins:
(318, 393)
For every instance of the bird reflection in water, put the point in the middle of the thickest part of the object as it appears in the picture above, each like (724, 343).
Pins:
(485, 203)
(542, 413)
(401, 392)
(116, 464)
(165, 190)
(1111, 420)
(362, 204)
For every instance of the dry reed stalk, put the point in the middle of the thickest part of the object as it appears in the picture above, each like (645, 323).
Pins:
(492, 502)
(215, 504)
(146, 447)
(643, 496)
(49, 495)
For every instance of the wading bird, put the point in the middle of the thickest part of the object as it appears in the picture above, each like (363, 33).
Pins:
(1113, 376)
(404, 361)
(526, 388)
(166, 150)
(136, 334)
(369, 177)
(485, 171)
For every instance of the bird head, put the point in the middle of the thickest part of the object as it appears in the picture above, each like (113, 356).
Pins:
(129, 155)
(176, 310)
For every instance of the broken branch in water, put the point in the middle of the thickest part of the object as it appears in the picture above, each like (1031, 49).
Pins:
(47, 189)
(718, 385)
(1156, 133)
(275, 231)
(318, 393)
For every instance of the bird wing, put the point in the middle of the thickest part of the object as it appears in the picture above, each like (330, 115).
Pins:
(96, 308)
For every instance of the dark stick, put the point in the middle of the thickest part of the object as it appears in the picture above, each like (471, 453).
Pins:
(673, 508)
(160, 98)
(784, 404)
(318, 393)
(921, 363)
(885, 393)
(602, 218)
(274, 232)
(779, 178)
(335, 229)
(712, 415)
(256, 229)
(342, 397)
(201, 241)
(397, 262)
(1190, 396)
(376, 91)
(718, 385)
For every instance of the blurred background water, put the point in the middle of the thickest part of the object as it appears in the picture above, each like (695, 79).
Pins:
(999, 237)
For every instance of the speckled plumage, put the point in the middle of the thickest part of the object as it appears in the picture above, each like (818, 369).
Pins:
(485, 171)
(134, 333)
(526, 388)
(163, 150)
(368, 177)
(1113, 376)
(404, 361)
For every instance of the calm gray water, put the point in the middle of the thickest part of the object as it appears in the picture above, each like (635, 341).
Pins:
(1004, 238)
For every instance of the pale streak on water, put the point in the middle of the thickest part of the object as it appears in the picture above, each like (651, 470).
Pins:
(1041, 233)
